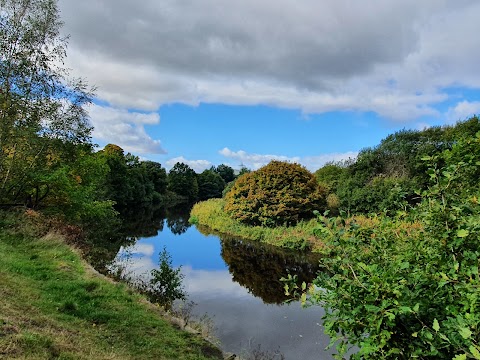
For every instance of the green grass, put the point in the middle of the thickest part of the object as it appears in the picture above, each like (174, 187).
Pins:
(54, 306)
(210, 213)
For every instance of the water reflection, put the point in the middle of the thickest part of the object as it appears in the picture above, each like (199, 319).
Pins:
(236, 282)
(177, 219)
(259, 267)
(135, 223)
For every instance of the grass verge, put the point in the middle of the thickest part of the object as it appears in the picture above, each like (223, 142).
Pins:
(54, 306)
(210, 213)
(300, 237)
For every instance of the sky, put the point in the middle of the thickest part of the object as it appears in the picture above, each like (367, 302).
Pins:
(209, 82)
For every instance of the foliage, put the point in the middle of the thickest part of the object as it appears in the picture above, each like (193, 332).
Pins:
(166, 283)
(131, 182)
(42, 111)
(279, 193)
(329, 175)
(387, 178)
(182, 180)
(210, 185)
(226, 172)
(210, 213)
(398, 294)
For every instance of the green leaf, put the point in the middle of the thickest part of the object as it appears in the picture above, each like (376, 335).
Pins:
(436, 325)
(462, 233)
(405, 309)
(465, 332)
(460, 357)
(303, 298)
(474, 351)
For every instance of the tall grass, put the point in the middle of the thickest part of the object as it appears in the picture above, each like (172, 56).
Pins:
(303, 236)
(300, 237)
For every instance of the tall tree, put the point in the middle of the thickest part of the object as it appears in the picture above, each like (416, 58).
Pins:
(182, 180)
(226, 172)
(210, 185)
(42, 111)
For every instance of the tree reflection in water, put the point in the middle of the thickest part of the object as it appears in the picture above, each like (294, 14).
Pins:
(259, 267)
(135, 223)
(177, 219)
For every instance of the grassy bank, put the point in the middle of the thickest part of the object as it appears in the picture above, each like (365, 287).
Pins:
(54, 306)
(210, 213)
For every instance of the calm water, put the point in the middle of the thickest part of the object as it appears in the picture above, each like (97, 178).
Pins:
(235, 282)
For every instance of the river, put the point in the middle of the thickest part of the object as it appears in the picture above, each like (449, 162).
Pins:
(233, 281)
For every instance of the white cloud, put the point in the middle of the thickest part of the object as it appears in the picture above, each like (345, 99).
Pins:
(394, 58)
(197, 165)
(462, 111)
(255, 161)
(125, 129)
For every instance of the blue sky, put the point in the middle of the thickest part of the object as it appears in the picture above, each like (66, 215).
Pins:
(210, 82)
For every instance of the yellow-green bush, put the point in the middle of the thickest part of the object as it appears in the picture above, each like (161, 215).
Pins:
(279, 193)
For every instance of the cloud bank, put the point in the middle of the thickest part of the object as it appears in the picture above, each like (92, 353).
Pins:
(394, 58)
(125, 128)
(313, 163)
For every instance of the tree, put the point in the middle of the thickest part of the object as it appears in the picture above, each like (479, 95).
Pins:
(157, 175)
(279, 193)
(182, 180)
(42, 111)
(226, 172)
(166, 282)
(210, 185)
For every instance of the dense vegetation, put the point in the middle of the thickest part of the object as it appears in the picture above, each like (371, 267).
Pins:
(388, 177)
(399, 292)
(299, 237)
(279, 193)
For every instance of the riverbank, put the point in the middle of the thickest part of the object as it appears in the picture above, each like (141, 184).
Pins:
(306, 235)
(55, 306)
(210, 213)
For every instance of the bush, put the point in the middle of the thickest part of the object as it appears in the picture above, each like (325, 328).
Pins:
(279, 193)
(396, 293)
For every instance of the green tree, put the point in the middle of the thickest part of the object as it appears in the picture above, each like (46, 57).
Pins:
(166, 283)
(210, 185)
(42, 110)
(279, 193)
(157, 175)
(182, 180)
(226, 172)
(329, 175)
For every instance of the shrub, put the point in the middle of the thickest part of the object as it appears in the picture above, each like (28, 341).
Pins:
(279, 193)
(396, 294)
